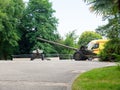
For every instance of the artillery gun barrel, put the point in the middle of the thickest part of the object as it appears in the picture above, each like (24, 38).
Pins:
(52, 42)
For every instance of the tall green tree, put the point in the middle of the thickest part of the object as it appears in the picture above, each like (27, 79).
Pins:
(10, 14)
(87, 36)
(110, 10)
(38, 21)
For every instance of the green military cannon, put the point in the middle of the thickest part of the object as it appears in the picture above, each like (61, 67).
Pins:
(80, 54)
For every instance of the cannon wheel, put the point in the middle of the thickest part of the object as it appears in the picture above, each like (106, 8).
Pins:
(77, 56)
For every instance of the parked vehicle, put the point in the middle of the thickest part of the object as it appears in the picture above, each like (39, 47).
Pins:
(96, 45)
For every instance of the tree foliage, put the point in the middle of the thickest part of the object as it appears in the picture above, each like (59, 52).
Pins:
(87, 36)
(70, 40)
(25, 24)
(110, 30)
(111, 51)
(104, 7)
(38, 21)
(10, 14)
(110, 10)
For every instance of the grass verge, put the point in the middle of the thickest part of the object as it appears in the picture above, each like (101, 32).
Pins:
(107, 78)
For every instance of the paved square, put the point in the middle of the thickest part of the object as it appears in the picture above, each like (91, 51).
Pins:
(43, 75)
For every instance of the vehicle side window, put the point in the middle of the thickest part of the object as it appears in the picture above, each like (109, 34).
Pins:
(95, 46)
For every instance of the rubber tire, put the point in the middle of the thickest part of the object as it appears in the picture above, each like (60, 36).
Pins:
(77, 56)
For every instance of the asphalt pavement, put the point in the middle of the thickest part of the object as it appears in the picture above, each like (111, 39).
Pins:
(43, 75)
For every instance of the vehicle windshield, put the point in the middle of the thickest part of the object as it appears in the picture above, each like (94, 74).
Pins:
(90, 45)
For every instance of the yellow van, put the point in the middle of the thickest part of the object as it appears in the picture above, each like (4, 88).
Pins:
(96, 45)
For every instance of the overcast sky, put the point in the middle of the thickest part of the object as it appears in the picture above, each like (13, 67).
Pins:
(74, 15)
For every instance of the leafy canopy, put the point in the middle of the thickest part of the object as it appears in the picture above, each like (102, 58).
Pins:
(10, 14)
(87, 36)
(38, 21)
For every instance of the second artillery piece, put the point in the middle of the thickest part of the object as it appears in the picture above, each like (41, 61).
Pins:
(80, 54)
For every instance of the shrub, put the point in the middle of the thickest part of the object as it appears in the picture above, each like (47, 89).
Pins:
(111, 52)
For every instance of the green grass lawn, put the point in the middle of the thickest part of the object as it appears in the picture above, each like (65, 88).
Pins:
(107, 78)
